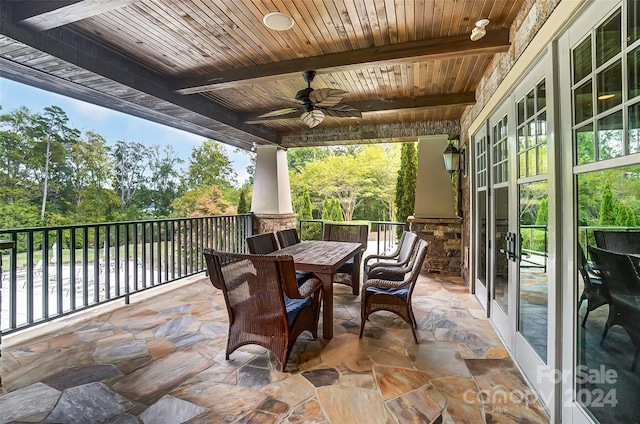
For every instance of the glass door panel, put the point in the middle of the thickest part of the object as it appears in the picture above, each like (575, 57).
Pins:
(534, 248)
(481, 218)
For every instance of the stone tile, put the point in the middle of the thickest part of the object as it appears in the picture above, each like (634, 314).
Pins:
(127, 367)
(77, 376)
(123, 419)
(185, 339)
(210, 417)
(160, 347)
(114, 353)
(438, 358)
(307, 413)
(364, 381)
(458, 390)
(460, 413)
(394, 382)
(415, 407)
(253, 377)
(171, 410)
(292, 390)
(322, 377)
(342, 404)
(391, 359)
(213, 330)
(31, 403)
(63, 340)
(93, 402)
(150, 383)
(223, 398)
(174, 326)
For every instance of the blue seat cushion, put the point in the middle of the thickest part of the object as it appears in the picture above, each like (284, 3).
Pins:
(367, 268)
(347, 267)
(302, 277)
(294, 306)
(402, 292)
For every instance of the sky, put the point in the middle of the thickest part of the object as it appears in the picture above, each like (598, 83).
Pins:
(112, 125)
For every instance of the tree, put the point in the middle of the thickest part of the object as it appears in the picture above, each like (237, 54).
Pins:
(336, 210)
(326, 209)
(607, 206)
(130, 163)
(203, 201)
(165, 180)
(52, 127)
(406, 182)
(306, 210)
(243, 206)
(542, 217)
(210, 166)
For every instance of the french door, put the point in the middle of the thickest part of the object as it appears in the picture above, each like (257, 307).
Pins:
(515, 222)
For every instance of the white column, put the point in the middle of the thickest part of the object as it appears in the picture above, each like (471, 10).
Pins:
(434, 193)
(271, 188)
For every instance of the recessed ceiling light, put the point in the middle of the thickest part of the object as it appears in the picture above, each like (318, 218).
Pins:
(278, 21)
(482, 22)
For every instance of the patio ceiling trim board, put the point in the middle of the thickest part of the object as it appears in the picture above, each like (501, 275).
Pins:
(23, 74)
(41, 15)
(410, 52)
(364, 134)
(66, 45)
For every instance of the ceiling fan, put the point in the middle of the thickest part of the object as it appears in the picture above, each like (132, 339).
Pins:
(316, 103)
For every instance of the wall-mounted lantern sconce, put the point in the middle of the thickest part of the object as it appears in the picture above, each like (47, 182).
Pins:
(451, 157)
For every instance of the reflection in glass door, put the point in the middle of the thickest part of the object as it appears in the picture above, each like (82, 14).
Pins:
(501, 234)
(533, 202)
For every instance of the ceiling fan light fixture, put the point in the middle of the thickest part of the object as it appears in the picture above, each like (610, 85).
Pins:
(482, 22)
(278, 21)
(477, 33)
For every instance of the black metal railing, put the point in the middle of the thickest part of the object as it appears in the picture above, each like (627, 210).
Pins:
(55, 271)
(383, 233)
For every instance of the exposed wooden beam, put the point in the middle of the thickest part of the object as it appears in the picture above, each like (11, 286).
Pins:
(70, 47)
(387, 105)
(367, 134)
(410, 52)
(44, 15)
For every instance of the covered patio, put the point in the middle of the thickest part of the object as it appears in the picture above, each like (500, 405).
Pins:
(161, 360)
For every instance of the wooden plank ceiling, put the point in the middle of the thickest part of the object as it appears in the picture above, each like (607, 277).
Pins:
(212, 67)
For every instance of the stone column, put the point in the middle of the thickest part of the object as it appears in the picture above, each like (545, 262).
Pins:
(271, 201)
(435, 219)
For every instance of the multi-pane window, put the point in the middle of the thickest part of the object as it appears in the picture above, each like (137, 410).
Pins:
(532, 132)
(606, 114)
(481, 162)
(500, 152)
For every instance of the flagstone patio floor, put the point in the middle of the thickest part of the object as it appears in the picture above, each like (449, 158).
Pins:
(161, 359)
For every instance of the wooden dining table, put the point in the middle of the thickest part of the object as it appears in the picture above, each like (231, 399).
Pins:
(323, 258)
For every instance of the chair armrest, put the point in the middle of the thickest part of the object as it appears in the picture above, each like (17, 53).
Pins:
(368, 258)
(388, 273)
(384, 283)
(309, 287)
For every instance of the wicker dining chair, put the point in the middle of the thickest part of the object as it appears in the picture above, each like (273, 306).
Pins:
(619, 274)
(399, 258)
(594, 292)
(265, 305)
(288, 237)
(356, 233)
(261, 244)
(393, 296)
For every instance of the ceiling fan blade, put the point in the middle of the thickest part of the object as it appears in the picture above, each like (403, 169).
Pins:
(312, 118)
(278, 112)
(343, 111)
(326, 97)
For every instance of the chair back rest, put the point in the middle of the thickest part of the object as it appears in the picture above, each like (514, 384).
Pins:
(616, 270)
(288, 237)
(356, 233)
(252, 281)
(407, 244)
(261, 244)
(420, 254)
(618, 241)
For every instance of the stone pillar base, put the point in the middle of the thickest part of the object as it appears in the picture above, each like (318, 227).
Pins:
(269, 223)
(444, 236)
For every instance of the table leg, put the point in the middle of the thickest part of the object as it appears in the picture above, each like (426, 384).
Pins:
(327, 305)
(355, 274)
